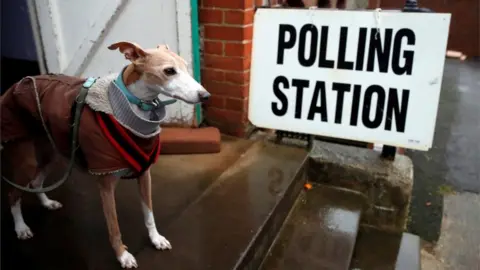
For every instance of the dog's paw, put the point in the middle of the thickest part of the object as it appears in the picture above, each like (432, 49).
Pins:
(127, 260)
(159, 241)
(23, 232)
(52, 204)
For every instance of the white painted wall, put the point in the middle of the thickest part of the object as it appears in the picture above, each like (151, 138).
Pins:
(75, 36)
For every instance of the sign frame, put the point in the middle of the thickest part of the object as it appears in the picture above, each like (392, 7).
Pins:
(374, 19)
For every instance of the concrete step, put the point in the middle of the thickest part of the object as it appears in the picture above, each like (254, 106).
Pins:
(381, 250)
(75, 237)
(234, 222)
(320, 232)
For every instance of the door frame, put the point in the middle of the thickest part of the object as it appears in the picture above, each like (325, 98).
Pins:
(187, 36)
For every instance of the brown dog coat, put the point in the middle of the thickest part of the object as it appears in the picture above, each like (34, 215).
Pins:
(20, 120)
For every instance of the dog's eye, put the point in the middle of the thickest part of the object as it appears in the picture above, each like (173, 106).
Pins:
(169, 71)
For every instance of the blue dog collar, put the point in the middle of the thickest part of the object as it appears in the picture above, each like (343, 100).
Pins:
(145, 106)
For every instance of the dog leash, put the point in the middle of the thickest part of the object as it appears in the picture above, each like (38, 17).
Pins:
(80, 102)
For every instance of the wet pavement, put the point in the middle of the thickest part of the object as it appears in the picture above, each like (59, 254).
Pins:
(210, 207)
(218, 228)
(320, 232)
(453, 164)
(459, 244)
(380, 250)
(75, 236)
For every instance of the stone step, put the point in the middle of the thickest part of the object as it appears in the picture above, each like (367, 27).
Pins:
(234, 222)
(75, 237)
(320, 232)
(377, 249)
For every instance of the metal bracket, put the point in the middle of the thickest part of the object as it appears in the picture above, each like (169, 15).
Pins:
(280, 134)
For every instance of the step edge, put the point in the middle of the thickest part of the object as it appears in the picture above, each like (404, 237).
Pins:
(361, 208)
(253, 147)
(294, 189)
(401, 250)
(280, 231)
(301, 194)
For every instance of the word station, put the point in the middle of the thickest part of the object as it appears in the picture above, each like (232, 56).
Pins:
(393, 52)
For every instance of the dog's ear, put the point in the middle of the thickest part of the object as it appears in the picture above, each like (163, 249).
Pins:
(163, 46)
(131, 50)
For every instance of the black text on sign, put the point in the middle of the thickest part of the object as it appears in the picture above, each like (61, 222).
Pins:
(374, 51)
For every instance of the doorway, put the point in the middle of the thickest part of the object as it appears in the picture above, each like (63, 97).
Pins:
(18, 51)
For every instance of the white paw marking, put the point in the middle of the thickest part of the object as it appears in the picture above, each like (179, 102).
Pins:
(159, 241)
(52, 204)
(23, 231)
(127, 260)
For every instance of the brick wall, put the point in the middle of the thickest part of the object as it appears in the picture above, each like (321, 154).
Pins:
(226, 32)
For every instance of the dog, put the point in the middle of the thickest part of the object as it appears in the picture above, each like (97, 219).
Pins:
(118, 131)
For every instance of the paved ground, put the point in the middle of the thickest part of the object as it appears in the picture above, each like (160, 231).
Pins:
(75, 236)
(205, 205)
(459, 243)
(453, 162)
(447, 178)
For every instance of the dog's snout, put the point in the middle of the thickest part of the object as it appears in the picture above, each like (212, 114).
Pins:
(204, 95)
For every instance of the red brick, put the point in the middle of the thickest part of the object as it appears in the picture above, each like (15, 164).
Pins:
(373, 4)
(213, 47)
(236, 104)
(226, 89)
(238, 49)
(210, 15)
(238, 131)
(216, 101)
(218, 32)
(239, 16)
(233, 4)
(225, 116)
(237, 77)
(226, 63)
(213, 75)
(232, 129)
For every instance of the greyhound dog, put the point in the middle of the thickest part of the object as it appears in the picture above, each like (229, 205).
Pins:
(118, 132)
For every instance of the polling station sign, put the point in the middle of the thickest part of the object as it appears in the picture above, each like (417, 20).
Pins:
(372, 76)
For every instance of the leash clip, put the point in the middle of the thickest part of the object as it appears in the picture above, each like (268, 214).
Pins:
(89, 82)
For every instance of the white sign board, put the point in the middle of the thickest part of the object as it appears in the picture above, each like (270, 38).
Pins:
(360, 75)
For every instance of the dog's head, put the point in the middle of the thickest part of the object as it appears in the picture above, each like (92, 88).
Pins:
(161, 71)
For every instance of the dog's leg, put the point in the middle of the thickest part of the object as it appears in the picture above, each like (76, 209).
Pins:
(46, 202)
(145, 188)
(21, 155)
(21, 228)
(46, 160)
(107, 186)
